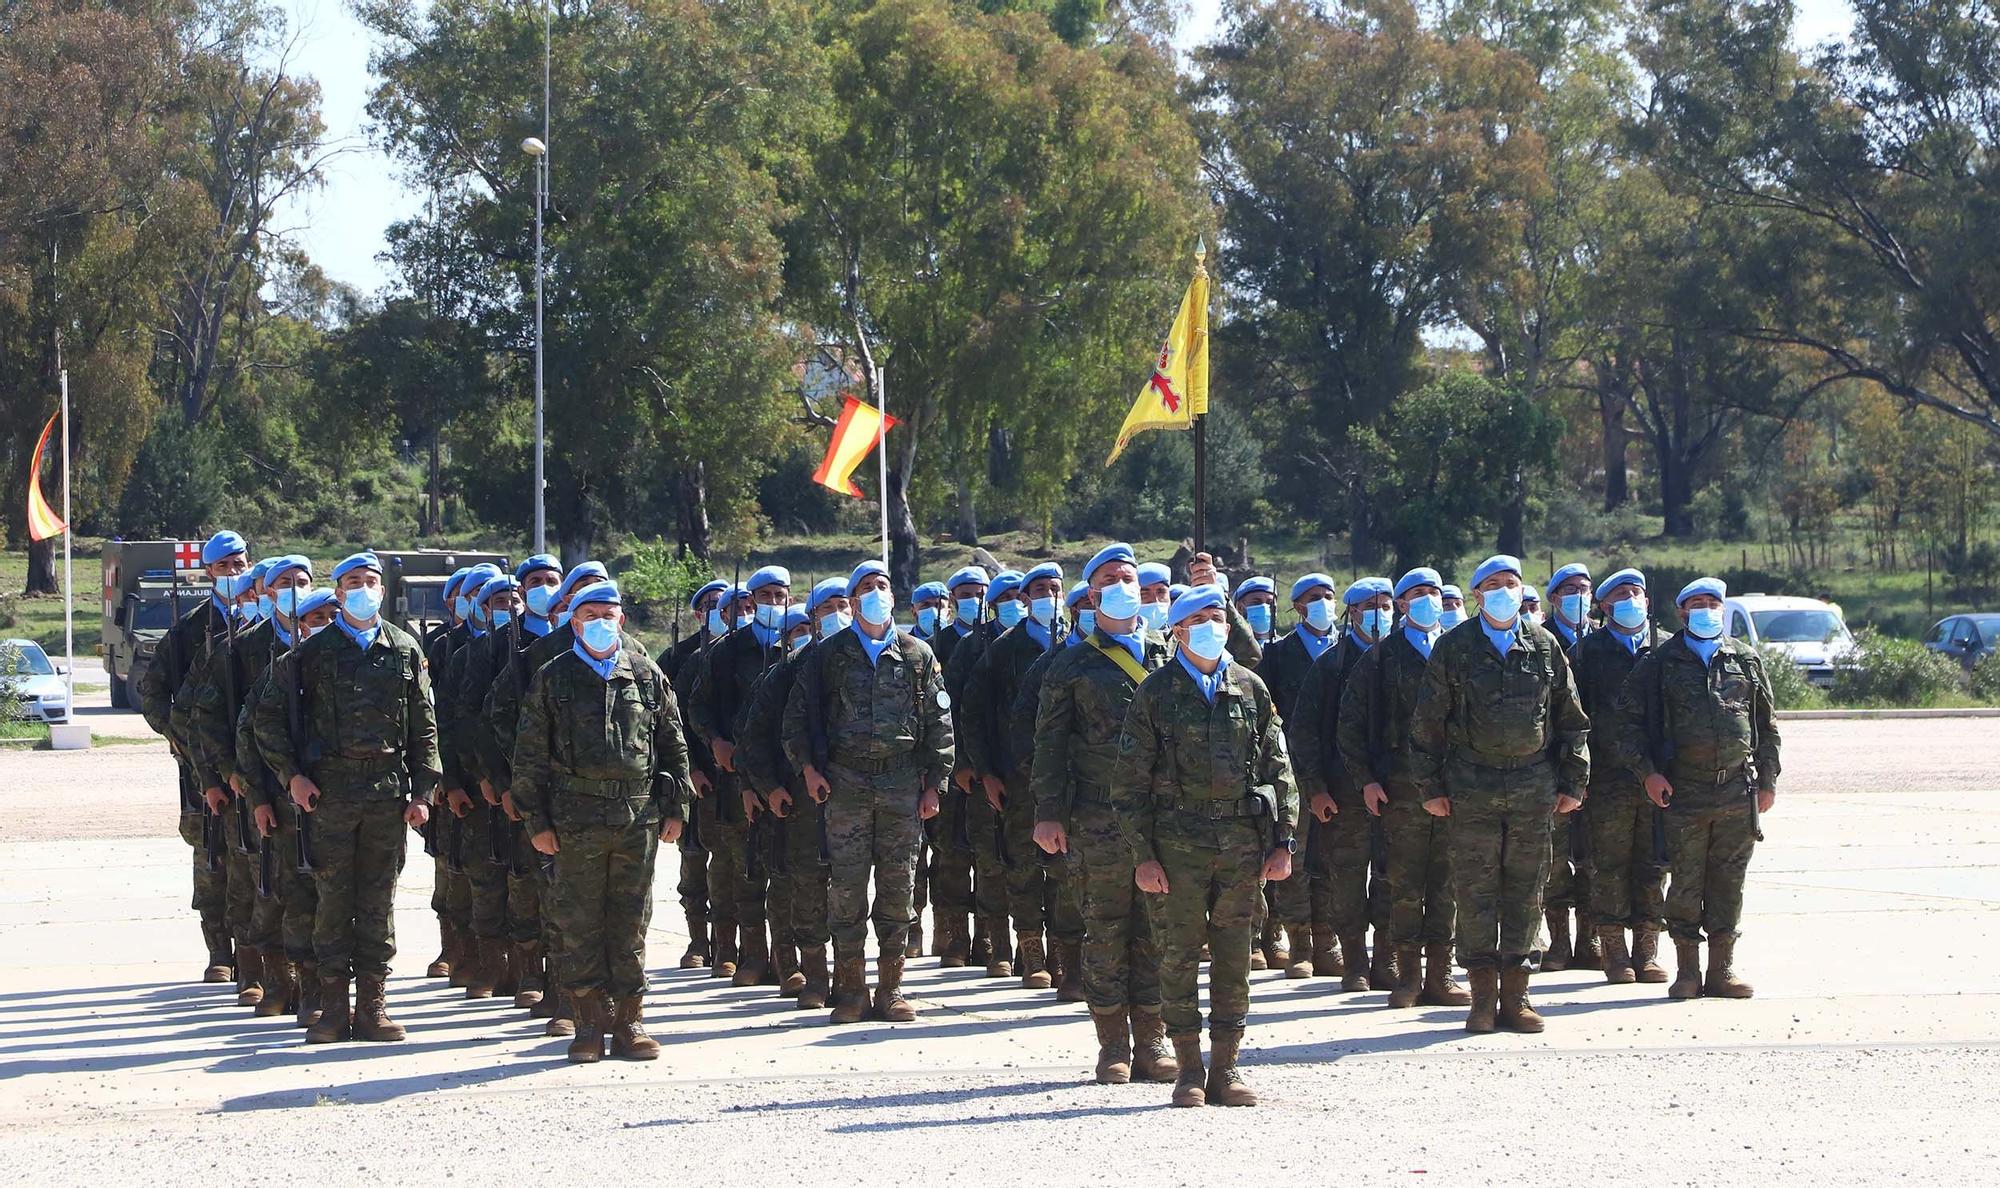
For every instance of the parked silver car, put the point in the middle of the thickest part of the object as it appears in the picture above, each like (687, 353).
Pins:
(37, 684)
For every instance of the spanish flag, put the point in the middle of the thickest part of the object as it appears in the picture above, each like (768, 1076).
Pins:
(859, 428)
(1178, 391)
(43, 522)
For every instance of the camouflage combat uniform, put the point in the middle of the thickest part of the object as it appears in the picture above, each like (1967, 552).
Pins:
(799, 875)
(692, 885)
(501, 864)
(1627, 880)
(984, 893)
(737, 885)
(451, 890)
(1340, 850)
(180, 651)
(1284, 668)
(298, 894)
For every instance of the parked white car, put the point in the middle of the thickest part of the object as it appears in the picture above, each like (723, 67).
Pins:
(1811, 632)
(38, 685)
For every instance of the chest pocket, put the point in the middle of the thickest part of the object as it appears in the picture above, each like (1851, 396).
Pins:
(368, 696)
(1732, 685)
(632, 711)
(1524, 685)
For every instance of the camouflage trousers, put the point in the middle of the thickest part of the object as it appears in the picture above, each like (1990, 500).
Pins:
(1627, 878)
(1040, 896)
(1418, 877)
(1569, 864)
(951, 863)
(872, 826)
(451, 894)
(1211, 899)
(1708, 855)
(1121, 961)
(735, 898)
(602, 898)
(990, 883)
(1499, 831)
(298, 894)
(692, 888)
(805, 880)
(504, 905)
(358, 844)
(1290, 902)
(256, 920)
(1337, 857)
(211, 888)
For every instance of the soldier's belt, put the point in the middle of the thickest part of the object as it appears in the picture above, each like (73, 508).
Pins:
(867, 766)
(1715, 777)
(625, 789)
(1214, 810)
(360, 767)
(1503, 762)
(1089, 793)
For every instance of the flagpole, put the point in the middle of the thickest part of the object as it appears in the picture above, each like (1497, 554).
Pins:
(1200, 449)
(69, 582)
(881, 395)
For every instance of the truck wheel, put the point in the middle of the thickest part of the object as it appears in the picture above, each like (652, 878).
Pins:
(121, 694)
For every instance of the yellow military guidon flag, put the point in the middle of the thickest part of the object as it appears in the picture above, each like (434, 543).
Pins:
(859, 428)
(43, 522)
(1178, 391)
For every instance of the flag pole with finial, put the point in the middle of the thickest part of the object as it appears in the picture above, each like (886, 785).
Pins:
(1200, 441)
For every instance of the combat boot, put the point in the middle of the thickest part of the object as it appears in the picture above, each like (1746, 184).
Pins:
(999, 955)
(309, 985)
(531, 980)
(482, 971)
(1439, 989)
(506, 973)
(1191, 1084)
(221, 962)
(954, 944)
(1480, 1016)
(281, 987)
(724, 961)
(753, 960)
(1556, 957)
(913, 943)
(812, 964)
(1589, 946)
(1276, 955)
(1646, 956)
(1301, 964)
(551, 989)
(629, 1040)
(588, 1046)
(1259, 959)
(1382, 965)
(791, 978)
(249, 975)
(371, 1013)
(1114, 1047)
(563, 1022)
(463, 957)
(1617, 961)
(1356, 976)
(1070, 989)
(1722, 980)
(981, 950)
(1516, 1012)
(1326, 952)
(1151, 1061)
(850, 990)
(890, 1005)
(332, 1025)
(1409, 978)
(1226, 1086)
(1687, 977)
(440, 966)
(1034, 962)
(696, 955)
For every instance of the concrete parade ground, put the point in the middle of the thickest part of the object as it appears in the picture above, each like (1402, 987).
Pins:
(1871, 1052)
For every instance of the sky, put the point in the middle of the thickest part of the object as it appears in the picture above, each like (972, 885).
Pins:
(342, 224)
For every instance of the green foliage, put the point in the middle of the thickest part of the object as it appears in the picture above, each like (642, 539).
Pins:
(1986, 680)
(660, 577)
(176, 483)
(1897, 673)
(1790, 690)
(1149, 492)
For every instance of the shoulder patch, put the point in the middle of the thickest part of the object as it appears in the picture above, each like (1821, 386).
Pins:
(943, 700)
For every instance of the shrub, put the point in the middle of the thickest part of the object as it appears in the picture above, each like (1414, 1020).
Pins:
(1986, 680)
(659, 578)
(1790, 690)
(1895, 673)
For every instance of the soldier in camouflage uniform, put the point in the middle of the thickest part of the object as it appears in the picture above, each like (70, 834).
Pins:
(1085, 691)
(1374, 738)
(992, 943)
(692, 887)
(952, 857)
(1244, 647)
(368, 767)
(1499, 744)
(1626, 883)
(600, 776)
(459, 852)
(761, 766)
(1697, 730)
(179, 653)
(1204, 797)
(1569, 855)
(451, 894)
(868, 726)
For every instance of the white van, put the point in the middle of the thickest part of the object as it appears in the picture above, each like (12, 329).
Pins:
(1811, 632)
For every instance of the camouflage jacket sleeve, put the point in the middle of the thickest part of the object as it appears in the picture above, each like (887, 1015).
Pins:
(1138, 757)
(793, 734)
(420, 739)
(1274, 764)
(1569, 730)
(1358, 728)
(271, 726)
(704, 701)
(249, 760)
(450, 764)
(975, 711)
(157, 686)
(200, 719)
(1054, 730)
(936, 751)
(1021, 717)
(756, 741)
(1627, 741)
(1243, 645)
(534, 766)
(473, 741)
(671, 789)
(1428, 721)
(1764, 720)
(1308, 718)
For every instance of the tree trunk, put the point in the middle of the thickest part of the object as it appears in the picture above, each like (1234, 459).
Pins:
(1676, 493)
(433, 509)
(578, 531)
(1361, 543)
(692, 500)
(42, 568)
(1611, 418)
(968, 512)
(1513, 533)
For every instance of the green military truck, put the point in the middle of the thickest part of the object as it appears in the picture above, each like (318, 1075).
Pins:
(413, 584)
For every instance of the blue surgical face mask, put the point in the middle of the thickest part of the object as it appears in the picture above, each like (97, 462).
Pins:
(540, 599)
(1120, 601)
(834, 623)
(1425, 611)
(228, 585)
(1260, 618)
(877, 605)
(288, 598)
(1154, 616)
(1376, 621)
(1009, 612)
(1629, 614)
(362, 603)
(927, 619)
(462, 606)
(1044, 610)
(798, 642)
(744, 618)
(968, 610)
(1501, 604)
(501, 618)
(1319, 613)
(1450, 617)
(1208, 639)
(1086, 621)
(1574, 607)
(717, 625)
(562, 620)
(599, 635)
(769, 615)
(1705, 623)
(264, 605)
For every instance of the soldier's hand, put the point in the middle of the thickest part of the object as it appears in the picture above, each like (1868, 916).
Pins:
(702, 784)
(1658, 790)
(457, 801)
(1438, 806)
(781, 804)
(996, 791)
(486, 791)
(304, 792)
(507, 806)
(725, 754)
(752, 804)
(670, 830)
(1151, 877)
(816, 785)
(1766, 797)
(963, 778)
(927, 804)
(1051, 836)
(266, 818)
(217, 799)
(1374, 796)
(545, 842)
(416, 814)
(238, 785)
(1278, 865)
(1324, 808)
(1565, 803)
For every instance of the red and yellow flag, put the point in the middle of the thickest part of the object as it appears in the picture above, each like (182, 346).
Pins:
(43, 522)
(1178, 391)
(859, 428)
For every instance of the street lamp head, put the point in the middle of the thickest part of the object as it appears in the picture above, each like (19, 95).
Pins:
(534, 147)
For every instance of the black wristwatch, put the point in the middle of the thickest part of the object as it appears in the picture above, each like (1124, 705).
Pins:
(1289, 845)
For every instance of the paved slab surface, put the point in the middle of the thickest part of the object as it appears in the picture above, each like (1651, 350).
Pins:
(1871, 1052)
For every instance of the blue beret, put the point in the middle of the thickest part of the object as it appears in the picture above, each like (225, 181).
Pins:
(716, 586)
(575, 578)
(1500, 563)
(1108, 554)
(318, 599)
(1076, 594)
(260, 571)
(1363, 590)
(496, 585)
(927, 590)
(1197, 599)
(1420, 576)
(770, 575)
(1155, 573)
(457, 576)
(605, 591)
(863, 570)
(823, 590)
(1047, 569)
(1003, 584)
(1624, 577)
(1707, 585)
(971, 575)
(1306, 583)
(287, 563)
(796, 617)
(1574, 569)
(1528, 594)
(362, 560)
(1175, 591)
(1253, 585)
(1452, 592)
(537, 562)
(476, 577)
(223, 544)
